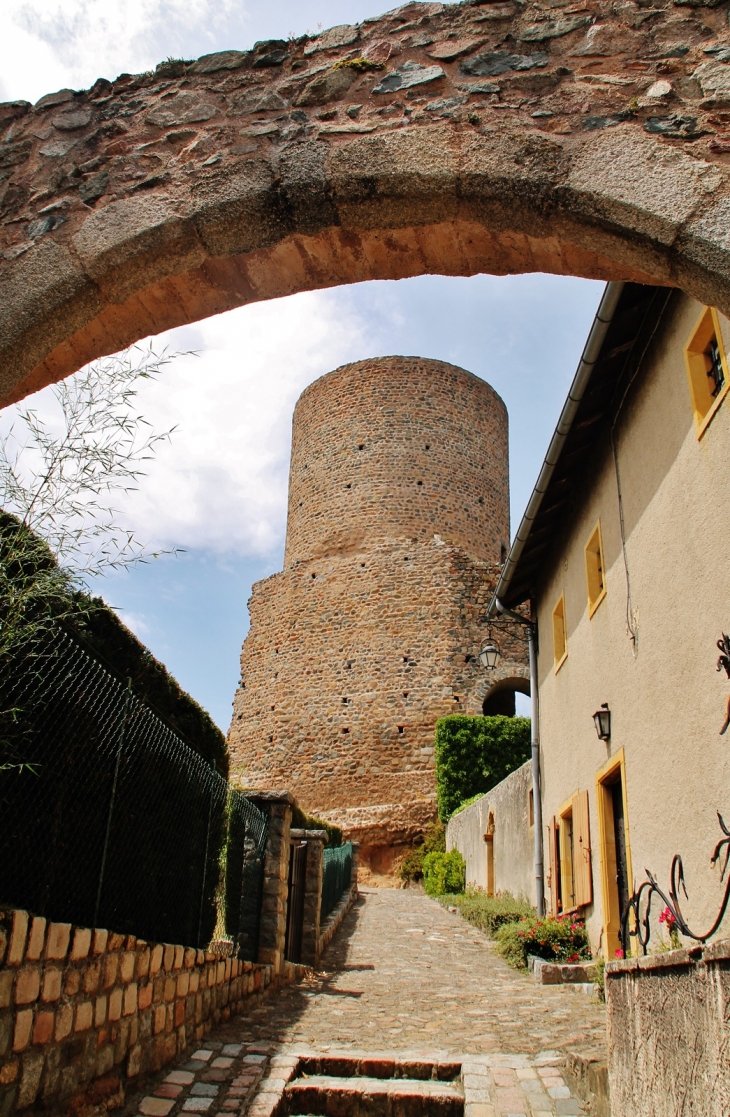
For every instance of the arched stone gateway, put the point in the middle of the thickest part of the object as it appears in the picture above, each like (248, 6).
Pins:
(475, 137)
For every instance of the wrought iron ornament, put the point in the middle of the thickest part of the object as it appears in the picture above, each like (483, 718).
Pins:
(636, 920)
(723, 662)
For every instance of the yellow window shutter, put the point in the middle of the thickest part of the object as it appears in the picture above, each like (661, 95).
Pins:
(552, 850)
(582, 850)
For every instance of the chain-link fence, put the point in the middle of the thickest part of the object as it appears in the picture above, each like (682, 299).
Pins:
(336, 876)
(107, 818)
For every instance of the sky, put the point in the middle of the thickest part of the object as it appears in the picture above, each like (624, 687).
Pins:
(218, 490)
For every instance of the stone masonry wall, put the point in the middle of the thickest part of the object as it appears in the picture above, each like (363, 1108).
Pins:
(455, 138)
(668, 1017)
(82, 1011)
(397, 448)
(398, 513)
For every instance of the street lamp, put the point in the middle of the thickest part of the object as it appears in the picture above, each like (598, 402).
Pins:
(490, 654)
(602, 722)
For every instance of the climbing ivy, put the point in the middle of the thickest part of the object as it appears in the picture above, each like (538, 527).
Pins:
(474, 754)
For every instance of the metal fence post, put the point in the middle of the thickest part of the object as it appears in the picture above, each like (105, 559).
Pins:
(117, 764)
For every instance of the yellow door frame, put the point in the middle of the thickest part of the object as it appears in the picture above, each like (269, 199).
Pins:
(607, 849)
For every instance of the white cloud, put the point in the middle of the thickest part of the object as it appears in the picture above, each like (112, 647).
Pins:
(137, 622)
(220, 486)
(221, 482)
(46, 44)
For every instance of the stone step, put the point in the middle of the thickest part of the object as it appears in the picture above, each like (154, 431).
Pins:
(373, 1097)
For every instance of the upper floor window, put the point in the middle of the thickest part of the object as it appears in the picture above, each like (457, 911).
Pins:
(560, 637)
(595, 576)
(707, 369)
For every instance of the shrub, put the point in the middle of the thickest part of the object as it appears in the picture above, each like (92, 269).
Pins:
(300, 820)
(434, 841)
(557, 940)
(489, 913)
(444, 873)
(473, 755)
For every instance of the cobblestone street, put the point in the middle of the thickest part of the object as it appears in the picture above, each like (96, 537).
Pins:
(402, 974)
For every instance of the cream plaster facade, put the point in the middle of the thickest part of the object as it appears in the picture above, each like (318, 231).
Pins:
(495, 836)
(666, 698)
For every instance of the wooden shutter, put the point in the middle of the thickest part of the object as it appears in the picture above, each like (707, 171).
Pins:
(582, 875)
(552, 853)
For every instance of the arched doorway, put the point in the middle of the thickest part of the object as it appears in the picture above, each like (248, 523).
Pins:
(500, 698)
(160, 199)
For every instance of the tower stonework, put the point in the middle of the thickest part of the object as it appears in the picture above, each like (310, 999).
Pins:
(398, 519)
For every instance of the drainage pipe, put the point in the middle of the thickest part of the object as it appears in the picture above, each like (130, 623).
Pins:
(535, 751)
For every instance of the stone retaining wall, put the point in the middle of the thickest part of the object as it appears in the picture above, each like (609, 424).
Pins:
(669, 1033)
(83, 1010)
(503, 813)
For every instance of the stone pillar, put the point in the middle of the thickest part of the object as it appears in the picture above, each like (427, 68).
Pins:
(316, 841)
(355, 860)
(278, 807)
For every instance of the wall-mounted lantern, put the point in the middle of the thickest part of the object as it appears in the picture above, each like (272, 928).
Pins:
(491, 653)
(602, 722)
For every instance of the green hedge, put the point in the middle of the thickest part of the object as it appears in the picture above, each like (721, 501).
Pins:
(444, 873)
(105, 636)
(489, 913)
(474, 754)
(91, 621)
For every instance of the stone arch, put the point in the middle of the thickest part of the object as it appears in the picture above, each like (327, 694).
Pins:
(411, 144)
(500, 698)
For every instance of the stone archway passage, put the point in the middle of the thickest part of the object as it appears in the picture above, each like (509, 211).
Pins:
(475, 137)
(500, 698)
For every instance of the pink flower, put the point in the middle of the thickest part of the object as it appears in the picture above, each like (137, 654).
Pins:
(668, 918)
(620, 954)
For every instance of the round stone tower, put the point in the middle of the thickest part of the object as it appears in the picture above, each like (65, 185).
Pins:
(398, 448)
(398, 520)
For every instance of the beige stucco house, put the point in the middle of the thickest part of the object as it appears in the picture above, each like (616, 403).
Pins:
(624, 559)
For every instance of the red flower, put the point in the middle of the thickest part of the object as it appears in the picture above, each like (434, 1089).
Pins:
(668, 917)
(620, 954)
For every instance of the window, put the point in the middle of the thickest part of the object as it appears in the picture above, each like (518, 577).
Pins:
(571, 879)
(595, 577)
(560, 640)
(707, 369)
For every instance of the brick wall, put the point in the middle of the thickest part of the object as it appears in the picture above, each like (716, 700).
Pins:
(398, 510)
(82, 1011)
